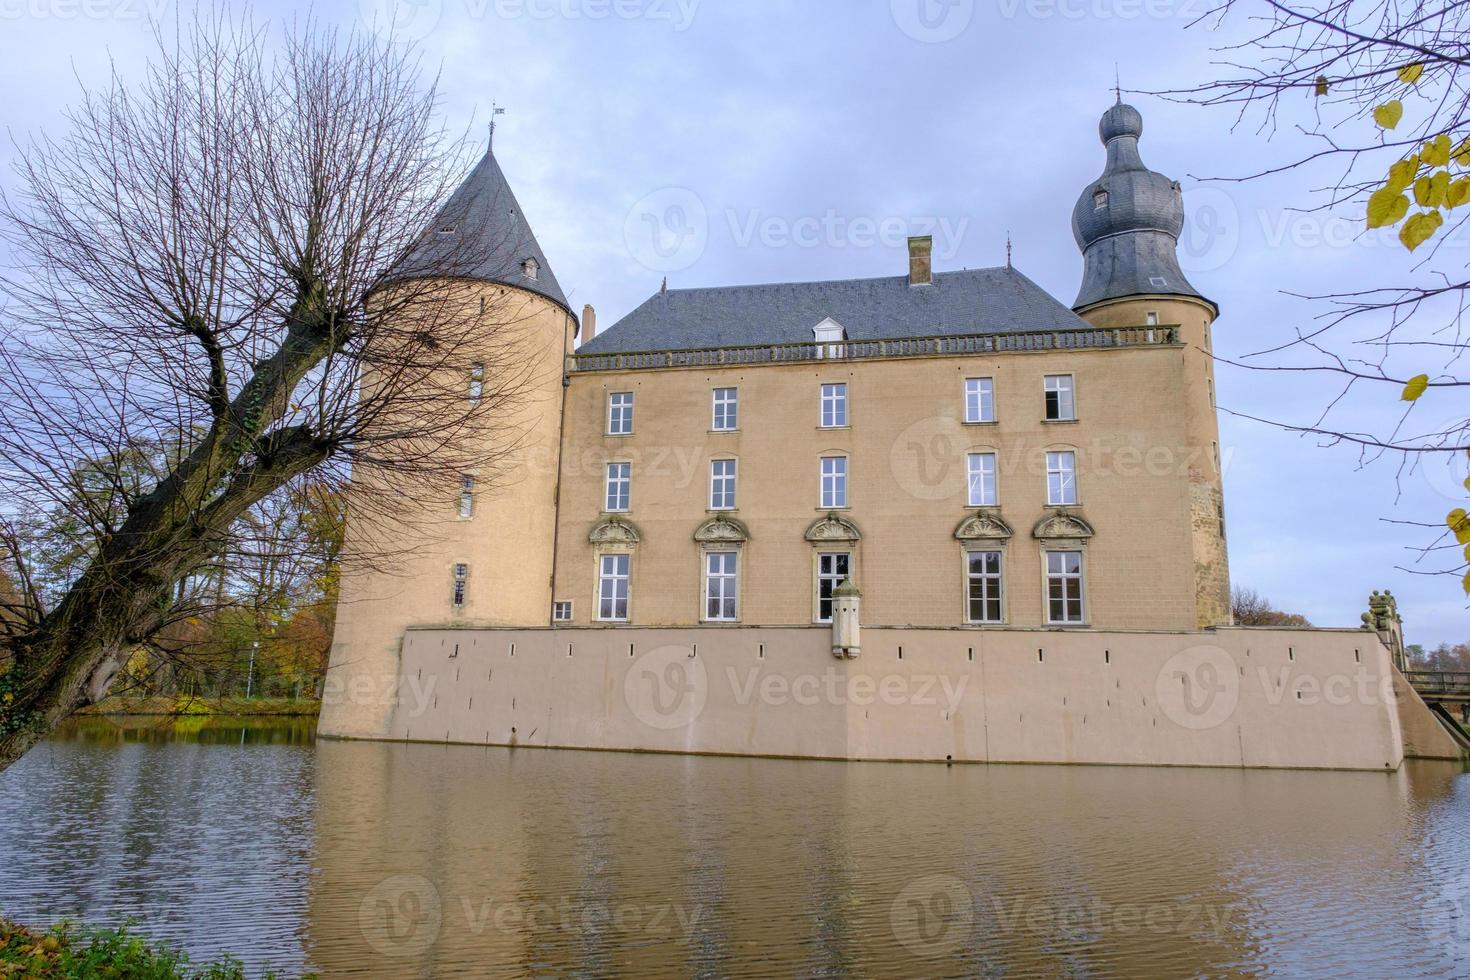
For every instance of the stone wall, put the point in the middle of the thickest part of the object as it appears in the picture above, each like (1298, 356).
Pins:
(1228, 697)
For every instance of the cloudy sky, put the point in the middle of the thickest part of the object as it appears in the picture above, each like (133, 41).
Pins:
(804, 140)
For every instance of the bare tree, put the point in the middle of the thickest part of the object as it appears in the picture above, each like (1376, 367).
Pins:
(1249, 608)
(215, 282)
(1380, 88)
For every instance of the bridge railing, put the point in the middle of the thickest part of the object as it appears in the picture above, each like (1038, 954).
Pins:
(847, 350)
(1440, 682)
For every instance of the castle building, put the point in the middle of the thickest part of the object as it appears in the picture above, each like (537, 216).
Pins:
(939, 515)
(967, 450)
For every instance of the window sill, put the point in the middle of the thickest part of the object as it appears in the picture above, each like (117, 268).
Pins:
(617, 435)
(823, 510)
(1060, 421)
(833, 428)
(722, 510)
(981, 422)
(720, 432)
(1067, 626)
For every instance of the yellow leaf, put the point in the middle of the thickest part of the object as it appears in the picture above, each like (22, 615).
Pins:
(1435, 188)
(1321, 85)
(1466, 583)
(1417, 385)
(1401, 174)
(1459, 524)
(1387, 116)
(1458, 193)
(1386, 207)
(1436, 152)
(1409, 74)
(1419, 228)
(1462, 153)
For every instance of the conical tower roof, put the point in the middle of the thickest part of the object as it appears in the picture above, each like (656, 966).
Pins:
(482, 234)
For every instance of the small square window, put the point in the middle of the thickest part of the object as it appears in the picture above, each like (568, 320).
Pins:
(561, 612)
(834, 406)
(981, 472)
(620, 413)
(979, 400)
(1061, 478)
(834, 481)
(726, 410)
(1061, 404)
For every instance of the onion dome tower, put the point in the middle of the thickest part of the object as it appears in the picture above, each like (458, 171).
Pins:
(1127, 223)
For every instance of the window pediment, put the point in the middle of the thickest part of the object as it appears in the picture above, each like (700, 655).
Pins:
(833, 527)
(983, 525)
(721, 529)
(614, 530)
(1062, 526)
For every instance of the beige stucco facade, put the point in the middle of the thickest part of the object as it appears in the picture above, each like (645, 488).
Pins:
(1141, 457)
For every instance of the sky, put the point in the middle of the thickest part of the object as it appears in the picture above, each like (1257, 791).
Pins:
(718, 142)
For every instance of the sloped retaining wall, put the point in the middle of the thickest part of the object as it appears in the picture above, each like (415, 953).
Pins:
(1227, 697)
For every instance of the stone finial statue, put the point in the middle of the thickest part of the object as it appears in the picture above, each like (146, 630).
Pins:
(1383, 618)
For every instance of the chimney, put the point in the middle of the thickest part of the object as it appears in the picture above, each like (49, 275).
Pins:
(921, 266)
(589, 323)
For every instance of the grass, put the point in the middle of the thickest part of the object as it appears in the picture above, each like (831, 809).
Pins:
(186, 705)
(82, 953)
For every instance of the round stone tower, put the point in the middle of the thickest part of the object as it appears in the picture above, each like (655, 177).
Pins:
(1127, 224)
(480, 553)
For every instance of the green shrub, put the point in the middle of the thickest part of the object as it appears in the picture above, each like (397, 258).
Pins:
(88, 953)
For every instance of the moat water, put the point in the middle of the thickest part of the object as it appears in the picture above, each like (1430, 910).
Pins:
(390, 860)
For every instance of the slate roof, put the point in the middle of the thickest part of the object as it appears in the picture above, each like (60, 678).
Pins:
(490, 240)
(999, 300)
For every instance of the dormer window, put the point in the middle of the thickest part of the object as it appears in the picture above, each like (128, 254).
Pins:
(1099, 199)
(1158, 282)
(531, 269)
(447, 231)
(829, 335)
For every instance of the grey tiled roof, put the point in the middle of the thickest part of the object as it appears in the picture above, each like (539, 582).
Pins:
(956, 303)
(490, 240)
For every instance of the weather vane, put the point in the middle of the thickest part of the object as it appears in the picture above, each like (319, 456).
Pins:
(495, 110)
(1117, 84)
(1008, 249)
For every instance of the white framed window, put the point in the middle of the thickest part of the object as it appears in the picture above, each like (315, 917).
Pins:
(832, 568)
(461, 585)
(834, 406)
(834, 481)
(1151, 318)
(979, 400)
(466, 497)
(561, 611)
(726, 410)
(619, 486)
(720, 584)
(1061, 478)
(1061, 406)
(531, 268)
(620, 413)
(981, 470)
(477, 383)
(984, 582)
(1064, 587)
(612, 588)
(722, 484)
